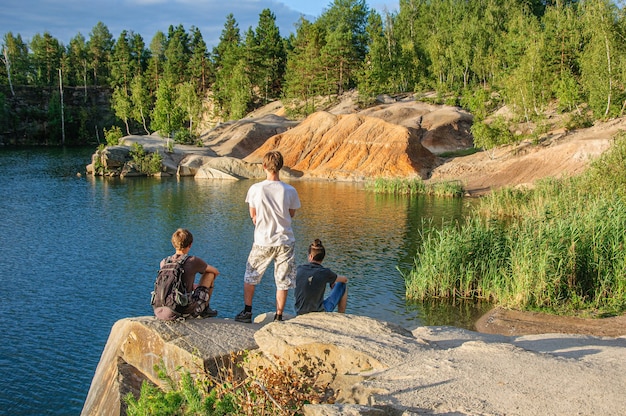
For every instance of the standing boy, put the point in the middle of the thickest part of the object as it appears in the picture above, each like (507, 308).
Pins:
(311, 280)
(199, 295)
(272, 205)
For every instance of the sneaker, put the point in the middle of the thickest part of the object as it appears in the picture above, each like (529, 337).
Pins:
(208, 313)
(278, 318)
(244, 317)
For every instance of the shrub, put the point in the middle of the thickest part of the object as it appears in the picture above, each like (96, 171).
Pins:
(113, 135)
(248, 384)
(148, 163)
(489, 136)
(185, 137)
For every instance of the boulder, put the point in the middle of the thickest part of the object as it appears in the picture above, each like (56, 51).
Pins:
(114, 157)
(190, 165)
(241, 137)
(136, 345)
(352, 344)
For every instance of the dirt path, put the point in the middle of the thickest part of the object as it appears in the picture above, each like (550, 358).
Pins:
(509, 322)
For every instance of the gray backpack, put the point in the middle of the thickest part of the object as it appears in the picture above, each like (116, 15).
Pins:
(169, 287)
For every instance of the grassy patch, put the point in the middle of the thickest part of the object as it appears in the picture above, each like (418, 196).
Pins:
(558, 247)
(414, 186)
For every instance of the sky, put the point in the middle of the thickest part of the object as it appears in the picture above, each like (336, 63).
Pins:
(64, 19)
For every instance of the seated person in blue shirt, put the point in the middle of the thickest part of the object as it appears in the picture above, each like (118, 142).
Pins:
(311, 280)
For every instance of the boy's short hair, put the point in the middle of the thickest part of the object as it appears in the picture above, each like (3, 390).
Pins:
(273, 161)
(182, 238)
(317, 250)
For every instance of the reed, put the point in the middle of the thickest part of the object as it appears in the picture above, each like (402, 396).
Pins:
(414, 186)
(557, 247)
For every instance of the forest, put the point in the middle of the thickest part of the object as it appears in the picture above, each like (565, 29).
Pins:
(477, 54)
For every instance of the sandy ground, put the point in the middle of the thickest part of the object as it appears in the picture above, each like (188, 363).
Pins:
(470, 373)
(560, 154)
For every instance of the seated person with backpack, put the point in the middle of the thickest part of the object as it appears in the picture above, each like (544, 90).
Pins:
(311, 280)
(175, 294)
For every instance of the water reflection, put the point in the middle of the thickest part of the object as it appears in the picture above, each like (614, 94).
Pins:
(85, 251)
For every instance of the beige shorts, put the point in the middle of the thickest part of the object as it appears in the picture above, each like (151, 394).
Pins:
(284, 265)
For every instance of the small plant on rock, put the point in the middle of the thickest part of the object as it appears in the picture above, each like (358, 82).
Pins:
(113, 135)
(249, 384)
(148, 163)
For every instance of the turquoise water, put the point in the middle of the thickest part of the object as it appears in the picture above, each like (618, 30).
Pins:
(81, 253)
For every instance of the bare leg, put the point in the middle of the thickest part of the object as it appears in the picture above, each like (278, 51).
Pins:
(281, 300)
(343, 302)
(248, 293)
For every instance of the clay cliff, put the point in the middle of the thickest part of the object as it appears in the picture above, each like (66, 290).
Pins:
(350, 146)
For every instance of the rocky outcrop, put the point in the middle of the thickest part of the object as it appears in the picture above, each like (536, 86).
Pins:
(400, 139)
(240, 138)
(381, 368)
(350, 147)
(136, 345)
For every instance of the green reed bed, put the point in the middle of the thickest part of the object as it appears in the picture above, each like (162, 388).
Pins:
(414, 186)
(559, 247)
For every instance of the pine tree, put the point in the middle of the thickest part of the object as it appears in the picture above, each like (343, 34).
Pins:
(156, 62)
(46, 58)
(100, 44)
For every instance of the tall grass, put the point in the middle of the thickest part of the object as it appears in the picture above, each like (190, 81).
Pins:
(414, 186)
(558, 247)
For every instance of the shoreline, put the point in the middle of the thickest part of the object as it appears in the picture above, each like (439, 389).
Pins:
(500, 321)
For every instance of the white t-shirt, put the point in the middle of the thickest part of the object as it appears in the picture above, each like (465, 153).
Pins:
(272, 201)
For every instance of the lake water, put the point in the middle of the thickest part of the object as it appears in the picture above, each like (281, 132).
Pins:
(82, 253)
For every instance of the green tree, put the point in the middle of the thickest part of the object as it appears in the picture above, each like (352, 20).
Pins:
(269, 49)
(166, 116)
(46, 58)
(345, 43)
(15, 58)
(229, 65)
(155, 64)
(122, 63)
(121, 103)
(377, 68)
(600, 63)
(138, 52)
(304, 76)
(78, 55)
(191, 105)
(562, 37)
(241, 93)
(177, 54)
(199, 67)
(410, 32)
(230, 39)
(528, 85)
(100, 45)
(140, 101)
